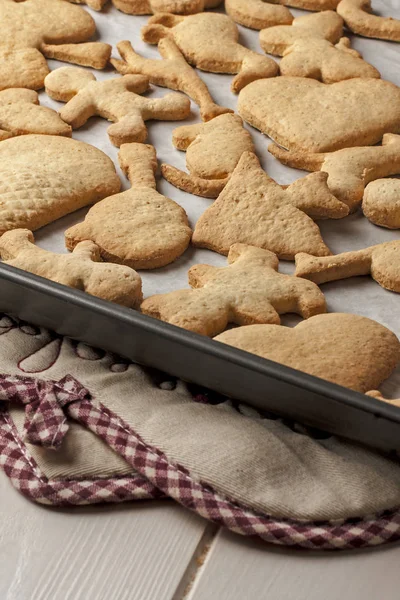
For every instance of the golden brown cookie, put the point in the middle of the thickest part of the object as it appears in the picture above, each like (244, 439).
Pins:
(43, 178)
(139, 228)
(382, 262)
(254, 209)
(95, 4)
(378, 396)
(172, 72)
(209, 41)
(178, 7)
(258, 14)
(81, 270)
(349, 170)
(213, 150)
(115, 99)
(349, 350)
(250, 290)
(54, 28)
(358, 18)
(381, 203)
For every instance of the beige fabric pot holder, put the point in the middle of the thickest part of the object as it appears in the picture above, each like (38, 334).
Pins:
(80, 426)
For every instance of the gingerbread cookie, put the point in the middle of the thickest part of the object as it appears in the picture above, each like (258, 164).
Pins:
(213, 150)
(363, 110)
(43, 178)
(53, 28)
(81, 270)
(382, 262)
(254, 209)
(258, 14)
(381, 203)
(325, 25)
(209, 41)
(139, 228)
(358, 18)
(20, 113)
(172, 72)
(115, 99)
(250, 290)
(349, 350)
(349, 170)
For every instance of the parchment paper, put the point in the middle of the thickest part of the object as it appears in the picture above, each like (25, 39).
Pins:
(360, 295)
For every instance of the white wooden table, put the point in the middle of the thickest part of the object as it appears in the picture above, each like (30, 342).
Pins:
(160, 551)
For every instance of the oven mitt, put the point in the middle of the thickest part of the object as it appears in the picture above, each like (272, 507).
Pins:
(80, 426)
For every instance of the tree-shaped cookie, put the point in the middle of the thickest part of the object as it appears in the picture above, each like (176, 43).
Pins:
(382, 262)
(209, 41)
(116, 100)
(254, 209)
(346, 349)
(172, 72)
(44, 177)
(213, 150)
(258, 14)
(362, 111)
(350, 169)
(53, 28)
(139, 228)
(250, 290)
(20, 113)
(148, 7)
(381, 202)
(81, 270)
(358, 18)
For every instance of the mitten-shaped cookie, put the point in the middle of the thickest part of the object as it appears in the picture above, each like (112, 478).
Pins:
(213, 150)
(358, 18)
(139, 228)
(382, 262)
(115, 99)
(249, 290)
(172, 72)
(258, 14)
(81, 270)
(349, 350)
(349, 170)
(209, 41)
(44, 177)
(53, 28)
(254, 209)
(381, 203)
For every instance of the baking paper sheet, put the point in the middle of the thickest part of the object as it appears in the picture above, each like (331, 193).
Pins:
(360, 295)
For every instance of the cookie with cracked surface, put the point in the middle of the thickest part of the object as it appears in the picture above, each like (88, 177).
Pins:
(381, 202)
(358, 17)
(139, 228)
(82, 270)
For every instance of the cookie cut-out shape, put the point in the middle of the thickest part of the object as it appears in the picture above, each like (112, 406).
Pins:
(381, 203)
(350, 169)
(172, 72)
(363, 110)
(148, 7)
(378, 396)
(250, 290)
(95, 4)
(116, 100)
(20, 114)
(53, 28)
(139, 228)
(254, 209)
(382, 262)
(257, 14)
(358, 18)
(213, 150)
(81, 270)
(350, 350)
(44, 177)
(326, 25)
(209, 41)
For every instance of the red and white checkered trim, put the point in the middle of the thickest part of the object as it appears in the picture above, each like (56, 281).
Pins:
(157, 476)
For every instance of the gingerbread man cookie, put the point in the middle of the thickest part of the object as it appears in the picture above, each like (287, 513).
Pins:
(115, 99)
(213, 150)
(139, 228)
(254, 209)
(80, 270)
(209, 41)
(358, 18)
(381, 203)
(352, 351)
(172, 72)
(250, 290)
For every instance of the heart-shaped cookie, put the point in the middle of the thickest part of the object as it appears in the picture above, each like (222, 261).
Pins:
(298, 112)
(346, 349)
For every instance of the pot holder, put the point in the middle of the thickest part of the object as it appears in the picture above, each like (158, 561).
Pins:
(81, 426)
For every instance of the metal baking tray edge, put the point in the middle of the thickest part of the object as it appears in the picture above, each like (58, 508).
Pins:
(240, 375)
